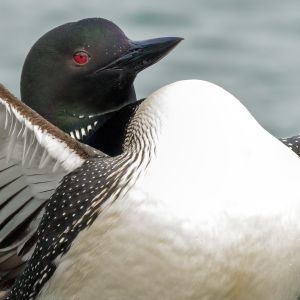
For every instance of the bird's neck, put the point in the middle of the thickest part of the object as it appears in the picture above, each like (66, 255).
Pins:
(66, 107)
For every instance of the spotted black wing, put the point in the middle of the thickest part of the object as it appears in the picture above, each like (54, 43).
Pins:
(293, 143)
(34, 157)
(74, 206)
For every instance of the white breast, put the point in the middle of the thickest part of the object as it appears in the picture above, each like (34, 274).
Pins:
(216, 215)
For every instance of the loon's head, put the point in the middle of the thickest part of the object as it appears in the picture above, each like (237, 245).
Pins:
(77, 73)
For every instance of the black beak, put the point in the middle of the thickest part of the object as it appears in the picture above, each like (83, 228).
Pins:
(143, 54)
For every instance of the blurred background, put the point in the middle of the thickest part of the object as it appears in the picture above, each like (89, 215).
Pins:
(251, 48)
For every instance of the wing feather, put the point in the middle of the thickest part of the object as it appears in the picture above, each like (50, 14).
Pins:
(34, 157)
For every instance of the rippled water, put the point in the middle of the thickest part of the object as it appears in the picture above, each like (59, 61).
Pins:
(251, 48)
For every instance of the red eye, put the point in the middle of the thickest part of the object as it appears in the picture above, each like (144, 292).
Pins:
(81, 57)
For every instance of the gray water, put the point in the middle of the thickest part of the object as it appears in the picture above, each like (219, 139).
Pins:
(250, 48)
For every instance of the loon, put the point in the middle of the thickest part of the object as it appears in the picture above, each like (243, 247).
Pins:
(204, 208)
(78, 79)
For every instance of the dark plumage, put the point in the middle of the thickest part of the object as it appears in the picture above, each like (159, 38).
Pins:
(293, 143)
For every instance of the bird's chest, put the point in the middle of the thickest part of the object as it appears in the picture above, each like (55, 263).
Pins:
(144, 248)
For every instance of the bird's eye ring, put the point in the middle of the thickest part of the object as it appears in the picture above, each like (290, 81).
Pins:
(81, 58)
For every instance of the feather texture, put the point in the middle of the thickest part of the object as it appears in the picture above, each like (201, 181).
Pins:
(34, 157)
